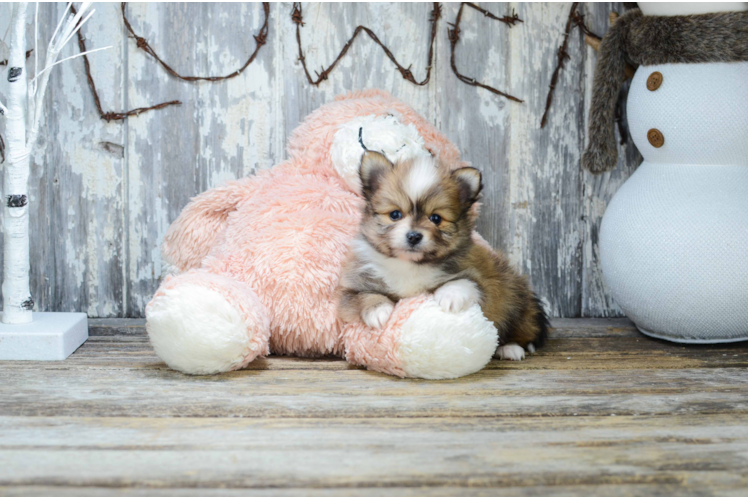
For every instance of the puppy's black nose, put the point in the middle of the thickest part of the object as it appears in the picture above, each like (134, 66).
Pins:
(414, 237)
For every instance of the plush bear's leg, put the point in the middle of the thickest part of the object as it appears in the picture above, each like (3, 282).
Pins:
(201, 323)
(421, 340)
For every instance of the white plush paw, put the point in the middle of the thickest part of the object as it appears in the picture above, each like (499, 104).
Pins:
(512, 352)
(377, 316)
(456, 296)
(435, 344)
(197, 330)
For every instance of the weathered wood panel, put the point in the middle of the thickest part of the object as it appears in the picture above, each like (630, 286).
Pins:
(222, 131)
(476, 120)
(599, 189)
(544, 163)
(107, 192)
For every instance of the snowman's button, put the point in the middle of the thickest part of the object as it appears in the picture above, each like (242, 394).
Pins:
(655, 138)
(654, 81)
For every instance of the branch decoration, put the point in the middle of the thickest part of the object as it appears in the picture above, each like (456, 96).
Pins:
(576, 20)
(561, 55)
(298, 18)
(111, 115)
(142, 43)
(454, 37)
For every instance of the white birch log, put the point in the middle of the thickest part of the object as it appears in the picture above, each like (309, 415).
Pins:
(23, 115)
(17, 302)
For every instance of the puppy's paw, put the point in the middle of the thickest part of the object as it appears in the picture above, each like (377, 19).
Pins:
(512, 352)
(377, 316)
(457, 295)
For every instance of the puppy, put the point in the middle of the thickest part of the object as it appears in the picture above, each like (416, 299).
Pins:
(416, 237)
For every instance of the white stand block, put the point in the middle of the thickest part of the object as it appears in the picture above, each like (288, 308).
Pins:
(49, 337)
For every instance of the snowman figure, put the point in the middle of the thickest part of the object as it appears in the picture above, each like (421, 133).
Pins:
(674, 238)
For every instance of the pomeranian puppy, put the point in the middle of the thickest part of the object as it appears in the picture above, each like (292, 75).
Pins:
(416, 237)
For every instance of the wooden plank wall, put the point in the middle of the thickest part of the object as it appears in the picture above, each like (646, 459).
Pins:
(103, 194)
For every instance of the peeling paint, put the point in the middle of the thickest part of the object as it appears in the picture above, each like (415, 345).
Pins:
(98, 175)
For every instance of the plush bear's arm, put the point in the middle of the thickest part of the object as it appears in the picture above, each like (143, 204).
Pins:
(191, 235)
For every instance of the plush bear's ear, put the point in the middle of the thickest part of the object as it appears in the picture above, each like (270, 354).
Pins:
(469, 183)
(373, 168)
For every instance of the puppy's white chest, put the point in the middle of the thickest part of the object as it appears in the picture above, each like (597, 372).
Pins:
(402, 278)
(407, 279)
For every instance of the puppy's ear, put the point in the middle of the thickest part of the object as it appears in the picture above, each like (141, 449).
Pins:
(469, 182)
(374, 166)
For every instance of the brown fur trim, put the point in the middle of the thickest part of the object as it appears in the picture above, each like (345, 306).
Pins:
(602, 151)
(648, 40)
(720, 37)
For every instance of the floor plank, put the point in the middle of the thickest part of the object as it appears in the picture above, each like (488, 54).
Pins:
(376, 453)
(664, 488)
(602, 410)
(609, 344)
(359, 393)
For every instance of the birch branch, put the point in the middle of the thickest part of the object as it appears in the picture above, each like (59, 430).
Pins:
(66, 28)
(71, 57)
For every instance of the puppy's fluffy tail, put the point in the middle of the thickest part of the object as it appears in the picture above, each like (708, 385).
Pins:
(541, 321)
(530, 326)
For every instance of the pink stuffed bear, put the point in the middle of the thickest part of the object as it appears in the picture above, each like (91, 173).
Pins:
(256, 262)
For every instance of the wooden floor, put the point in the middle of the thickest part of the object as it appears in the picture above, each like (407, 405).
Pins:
(602, 410)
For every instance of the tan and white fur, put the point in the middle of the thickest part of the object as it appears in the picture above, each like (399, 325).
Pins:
(416, 237)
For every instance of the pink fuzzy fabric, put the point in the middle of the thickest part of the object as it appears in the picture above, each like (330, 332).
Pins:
(284, 233)
(377, 349)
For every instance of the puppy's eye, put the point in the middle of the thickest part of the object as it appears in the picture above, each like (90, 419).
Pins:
(436, 219)
(396, 215)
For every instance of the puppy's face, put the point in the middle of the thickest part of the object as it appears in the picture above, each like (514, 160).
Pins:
(416, 210)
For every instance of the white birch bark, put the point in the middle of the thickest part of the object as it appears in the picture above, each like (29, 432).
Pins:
(23, 115)
(17, 302)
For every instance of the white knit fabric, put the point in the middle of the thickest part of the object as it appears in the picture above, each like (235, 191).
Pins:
(688, 8)
(674, 239)
(701, 110)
